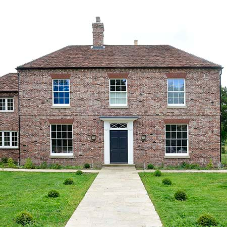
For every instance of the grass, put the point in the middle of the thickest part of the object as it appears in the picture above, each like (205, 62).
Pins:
(20, 191)
(224, 159)
(207, 193)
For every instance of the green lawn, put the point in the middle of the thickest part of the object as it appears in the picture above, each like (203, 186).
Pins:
(21, 191)
(207, 193)
(224, 159)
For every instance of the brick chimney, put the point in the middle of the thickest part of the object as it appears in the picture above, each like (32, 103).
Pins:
(98, 33)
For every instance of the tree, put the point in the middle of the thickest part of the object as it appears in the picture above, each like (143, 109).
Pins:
(223, 113)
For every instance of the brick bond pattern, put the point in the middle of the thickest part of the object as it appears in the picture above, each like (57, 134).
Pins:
(147, 98)
(9, 121)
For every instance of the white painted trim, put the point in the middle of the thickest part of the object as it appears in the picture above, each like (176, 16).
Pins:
(176, 105)
(107, 122)
(6, 104)
(60, 105)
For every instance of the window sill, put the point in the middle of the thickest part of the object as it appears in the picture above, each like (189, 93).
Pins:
(60, 107)
(62, 156)
(9, 148)
(118, 107)
(175, 107)
(8, 111)
(177, 156)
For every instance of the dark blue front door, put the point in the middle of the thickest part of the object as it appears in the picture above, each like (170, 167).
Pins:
(119, 146)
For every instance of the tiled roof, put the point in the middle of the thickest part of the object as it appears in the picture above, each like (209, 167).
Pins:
(119, 56)
(9, 82)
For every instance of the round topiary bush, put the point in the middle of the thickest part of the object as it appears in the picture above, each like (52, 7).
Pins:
(68, 181)
(150, 166)
(53, 194)
(180, 195)
(207, 220)
(167, 181)
(24, 218)
(157, 173)
(86, 165)
(79, 172)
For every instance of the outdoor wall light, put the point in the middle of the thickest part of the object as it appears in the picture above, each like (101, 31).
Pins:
(143, 138)
(93, 137)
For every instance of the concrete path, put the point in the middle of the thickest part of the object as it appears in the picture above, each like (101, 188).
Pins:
(117, 198)
(50, 170)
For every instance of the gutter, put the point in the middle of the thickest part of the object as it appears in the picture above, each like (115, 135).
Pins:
(19, 117)
(220, 114)
(122, 67)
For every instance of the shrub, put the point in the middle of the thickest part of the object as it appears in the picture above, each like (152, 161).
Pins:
(28, 164)
(10, 163)
(157, 173)
(4, 160)
(150, 166)
(86, 165)
(24, 218)
(180, 195)
(68, 181)
(53, 193)
(79, 172)
(210, 165)
(207, 220)
(223, 151)
(56, 166)
(167, 181)
(43, 165)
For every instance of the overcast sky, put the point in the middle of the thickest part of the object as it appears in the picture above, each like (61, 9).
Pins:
(30, 29)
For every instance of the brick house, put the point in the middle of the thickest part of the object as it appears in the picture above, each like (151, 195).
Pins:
(102, 104)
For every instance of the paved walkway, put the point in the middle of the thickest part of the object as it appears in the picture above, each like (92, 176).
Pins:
(118, 198)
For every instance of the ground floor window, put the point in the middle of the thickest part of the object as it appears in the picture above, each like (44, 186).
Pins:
(61, 139)
(8, 139)
(176, 139)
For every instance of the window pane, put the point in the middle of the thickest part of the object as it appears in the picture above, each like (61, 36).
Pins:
(2, 104)
(10, 104)
(178, 128)
(184, 127)
(167, 134)
(6, 138)
(55, 88)
(167, 149)
(70, 128)
(173, 127)
(170, 85)
(55, 82)
(53, 127)
(118, 82)
(112, 88)
(172, 149)
(121, 101)
(0, 139)
(181, 85)
(167, 142)
(123, 82)
(118, 88)
(112, 101)
(170, 100)
(112, 82)
(167, 127)
(173, 143)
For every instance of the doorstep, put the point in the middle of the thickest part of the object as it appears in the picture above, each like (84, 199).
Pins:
(118, 165)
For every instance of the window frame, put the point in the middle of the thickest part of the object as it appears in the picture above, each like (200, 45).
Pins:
(177, 154)
(59, 105)
(60, 154)
(119, 105)
(11, 141)
(6, 104)
(173, 105)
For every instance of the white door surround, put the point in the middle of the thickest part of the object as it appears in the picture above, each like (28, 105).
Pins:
(125, 119)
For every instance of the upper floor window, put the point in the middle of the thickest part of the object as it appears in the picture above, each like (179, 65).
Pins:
(176, 140)
(176, 92)
(61, 92)
(6, 105)
(61, 139)
(8, 139)
(118, 92)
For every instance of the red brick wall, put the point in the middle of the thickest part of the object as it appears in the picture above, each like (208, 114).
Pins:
(147, 98)
(9, 121)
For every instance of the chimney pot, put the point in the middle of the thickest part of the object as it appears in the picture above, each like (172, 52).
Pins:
(97, 19)
(135, 42)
